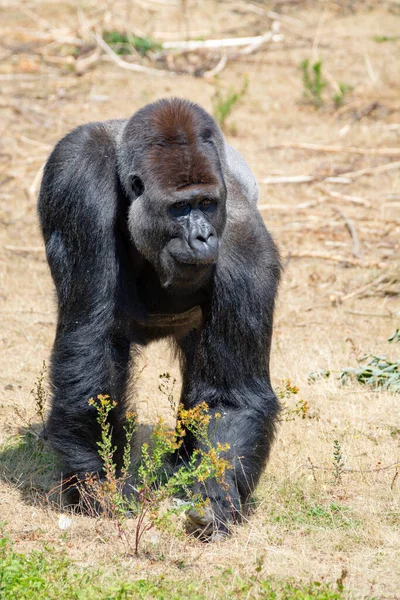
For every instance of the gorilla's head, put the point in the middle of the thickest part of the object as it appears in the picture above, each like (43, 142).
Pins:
(170, 162)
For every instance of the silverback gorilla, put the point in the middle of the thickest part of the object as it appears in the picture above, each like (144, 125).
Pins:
(152, 231)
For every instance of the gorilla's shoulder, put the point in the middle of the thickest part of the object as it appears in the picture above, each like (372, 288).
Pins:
(89, 140)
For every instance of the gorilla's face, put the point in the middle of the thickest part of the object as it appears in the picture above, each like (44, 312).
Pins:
(171, 163)
(178, 232)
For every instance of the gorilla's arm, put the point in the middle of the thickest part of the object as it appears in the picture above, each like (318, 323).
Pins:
(229, 368)
(78, 208)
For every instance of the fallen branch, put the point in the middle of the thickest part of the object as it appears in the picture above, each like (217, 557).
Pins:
(362, 289)
(339, 259)
(248, 46)
(33, 188)
(303, 179)
(221, 43)
(372, 170)
(218, 67)
(288, 179)
(83, 64)
(352, 230)
(128, 66)
(350, 470)
(347, 177)
(344, 149)
(345, 197)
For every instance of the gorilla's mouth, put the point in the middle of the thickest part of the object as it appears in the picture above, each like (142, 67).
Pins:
(197, 257)
(195, 263)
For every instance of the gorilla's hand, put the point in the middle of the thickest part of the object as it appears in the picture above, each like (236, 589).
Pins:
(221, 509)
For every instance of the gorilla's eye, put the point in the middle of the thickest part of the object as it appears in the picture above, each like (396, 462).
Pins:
(208, 204)
(137, 185)
(180, 209)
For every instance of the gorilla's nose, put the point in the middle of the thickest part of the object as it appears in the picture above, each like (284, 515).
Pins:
(204, 245)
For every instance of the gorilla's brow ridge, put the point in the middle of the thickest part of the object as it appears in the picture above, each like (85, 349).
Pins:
(179, 131)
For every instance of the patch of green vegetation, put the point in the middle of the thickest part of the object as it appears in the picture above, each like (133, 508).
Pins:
(295, 510)
(156, 485)
(376, 371)
(385, 38)
(49, 575)
(224, 103)
(313, 82)
(338, 463)
(301, 409)
(28, 461)
(318, 375)
(395, 432)
(123, 43)
(338, 98)
(395, 337)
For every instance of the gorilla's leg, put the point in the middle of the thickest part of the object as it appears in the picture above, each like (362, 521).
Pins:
(86, 361)
(247, 425)
(226, 365)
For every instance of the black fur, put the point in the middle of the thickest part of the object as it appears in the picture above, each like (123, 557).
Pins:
(126, 273)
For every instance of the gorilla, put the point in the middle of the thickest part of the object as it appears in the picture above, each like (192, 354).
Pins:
(152, 231)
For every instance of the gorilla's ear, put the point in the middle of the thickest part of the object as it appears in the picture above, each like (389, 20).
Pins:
(137, 185)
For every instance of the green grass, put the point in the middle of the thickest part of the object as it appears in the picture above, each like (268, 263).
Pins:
(385, 38)
(224, 103)
(48, 575)
(28, 461)
(295, 509)
(313, 82)
(122, 43)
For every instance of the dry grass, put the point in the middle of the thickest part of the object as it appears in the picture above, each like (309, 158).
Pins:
(304, 525)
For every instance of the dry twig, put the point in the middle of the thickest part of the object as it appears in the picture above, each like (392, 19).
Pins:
(352, 230)
(350, 470)
(335, 149)
(129, 66)
(372, 170)
(347, 177)
(345, 197)
(354, 262)
(32, 190)
(360, 290)
(220, 43)
(25, 249)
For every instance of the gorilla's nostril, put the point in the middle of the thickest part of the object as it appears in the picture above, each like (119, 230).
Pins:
(204, 238)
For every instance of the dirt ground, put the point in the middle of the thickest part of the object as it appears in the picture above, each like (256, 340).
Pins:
(340, 296)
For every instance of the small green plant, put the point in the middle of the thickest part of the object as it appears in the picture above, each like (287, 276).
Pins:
(338, 98)
(376, 371)
(379, 39)
(395, 337)
(313, 82)
(153, 486)
(338, 463)
(108, 493)
(301, 409)
(124, 44)
(318, 375)
(40, 395)
(223, 104)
